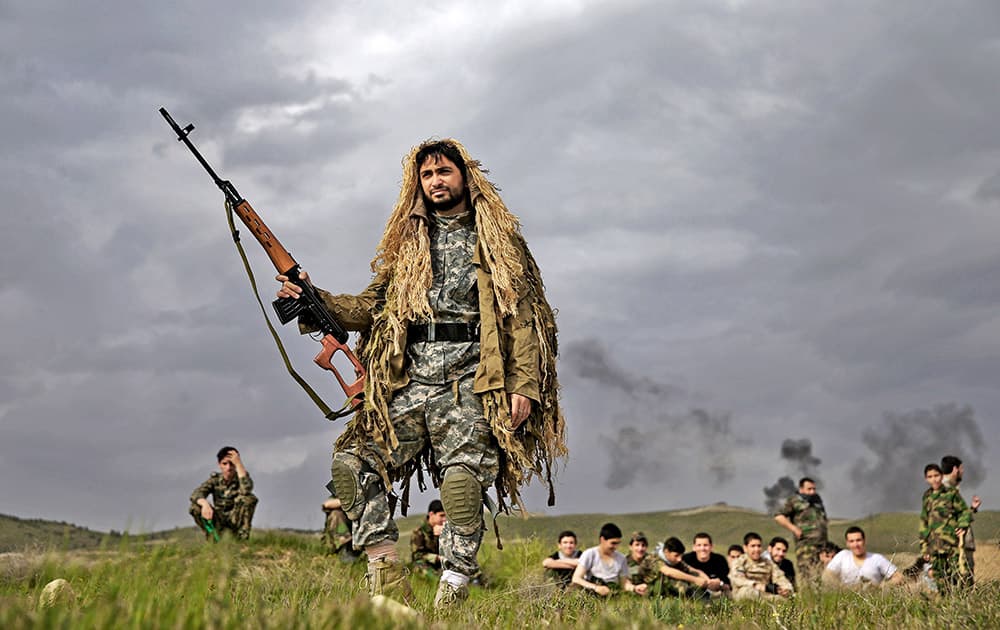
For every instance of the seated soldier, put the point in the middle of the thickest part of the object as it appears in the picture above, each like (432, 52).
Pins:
(233, 502)
(424, 550)
(676, 577)
(713, 565)
(734, 552)
(855, 566)
(602, 569)
(755, 577)
(561, 564)
(642, 569)
(827, 552)
(337, 531)
(777, 551)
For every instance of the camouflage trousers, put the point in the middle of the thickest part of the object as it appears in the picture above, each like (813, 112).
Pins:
(807, 562)
(336, 530)
(949, 574)
(237, 520)
(450, 419)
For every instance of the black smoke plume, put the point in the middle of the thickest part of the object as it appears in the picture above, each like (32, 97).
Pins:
(799, 454)
(648, 452)
(891, 476)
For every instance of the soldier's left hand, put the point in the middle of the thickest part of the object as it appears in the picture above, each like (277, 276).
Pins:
(520, 408)
(976, 502)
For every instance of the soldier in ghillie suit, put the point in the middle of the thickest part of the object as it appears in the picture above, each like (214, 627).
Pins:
(337, 531)
(460, 346)
(425, 551)
(233, 500)
(804, 515)
(944, 518)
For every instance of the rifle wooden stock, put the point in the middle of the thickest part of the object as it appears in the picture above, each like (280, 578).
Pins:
(309, 302)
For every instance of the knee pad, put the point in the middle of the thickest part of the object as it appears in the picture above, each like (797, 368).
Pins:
(345, 480)
(462, 498)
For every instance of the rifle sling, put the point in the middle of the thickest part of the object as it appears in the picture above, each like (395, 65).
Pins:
(328, 413)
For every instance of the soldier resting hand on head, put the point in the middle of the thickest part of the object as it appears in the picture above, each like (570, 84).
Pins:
(233, 501)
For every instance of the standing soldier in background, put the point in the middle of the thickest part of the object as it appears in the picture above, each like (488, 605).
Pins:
(233, 501)
(424, 541)
(337, 531)
(944, 520)
(953, 470)
(804, 515)
(459, 344)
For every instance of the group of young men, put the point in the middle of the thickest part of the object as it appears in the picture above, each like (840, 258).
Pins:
(751, 572)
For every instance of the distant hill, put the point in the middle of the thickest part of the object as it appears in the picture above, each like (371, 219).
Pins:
(891, 532)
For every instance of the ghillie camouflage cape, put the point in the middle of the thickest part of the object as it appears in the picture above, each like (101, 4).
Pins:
(514, 315)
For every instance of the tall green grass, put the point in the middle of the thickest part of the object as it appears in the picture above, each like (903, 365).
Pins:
(282, 580)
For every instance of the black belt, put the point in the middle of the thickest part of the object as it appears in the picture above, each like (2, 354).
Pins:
(460, 331)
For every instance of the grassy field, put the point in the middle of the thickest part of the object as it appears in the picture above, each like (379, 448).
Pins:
(282, 579)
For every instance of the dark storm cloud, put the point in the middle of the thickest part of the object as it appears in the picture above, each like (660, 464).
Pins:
(890, 475)
(787, 211)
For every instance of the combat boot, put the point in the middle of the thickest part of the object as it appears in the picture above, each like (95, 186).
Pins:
(389, 578)
(450, 596)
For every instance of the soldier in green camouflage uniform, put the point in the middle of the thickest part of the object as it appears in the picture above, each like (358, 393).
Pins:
(233, 502)
(804, 515)
(943, 518)
(425, 551)
(642, 566)
(337, 531)
(441, 382)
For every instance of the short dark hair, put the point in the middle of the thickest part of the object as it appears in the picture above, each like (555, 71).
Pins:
(638, 536)
(733, 548)
(949, 463)
(673, 544)
(564, 533)
(831, 547)
(609, 531)
(223, 452)
(702, 535)
(751, 536)
(435, 507)
(441, 148)
(930, 467)
(776, 540)
(854, 529)
(806, 480)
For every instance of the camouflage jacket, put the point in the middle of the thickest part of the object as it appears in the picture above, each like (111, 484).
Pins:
(424, 548)
(943, 512)
(809, 515)
(223, 492)
(645, 571)
(746, 572)
(508, 347)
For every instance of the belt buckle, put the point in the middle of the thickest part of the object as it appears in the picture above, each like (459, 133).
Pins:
(430, 332)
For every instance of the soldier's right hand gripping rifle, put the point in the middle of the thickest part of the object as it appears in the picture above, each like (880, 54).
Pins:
(309, 304)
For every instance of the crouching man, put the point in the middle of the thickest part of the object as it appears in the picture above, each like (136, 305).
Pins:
(233, 501)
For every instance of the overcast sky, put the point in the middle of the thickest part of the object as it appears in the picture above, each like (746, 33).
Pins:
(760, 221)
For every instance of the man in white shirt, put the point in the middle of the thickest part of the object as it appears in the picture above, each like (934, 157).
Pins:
(602, 569)
(855, 566)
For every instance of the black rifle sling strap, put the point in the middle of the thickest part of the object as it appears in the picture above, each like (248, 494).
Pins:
(323, 407)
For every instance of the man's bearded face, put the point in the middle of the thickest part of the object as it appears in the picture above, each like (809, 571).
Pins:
(442, 183)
